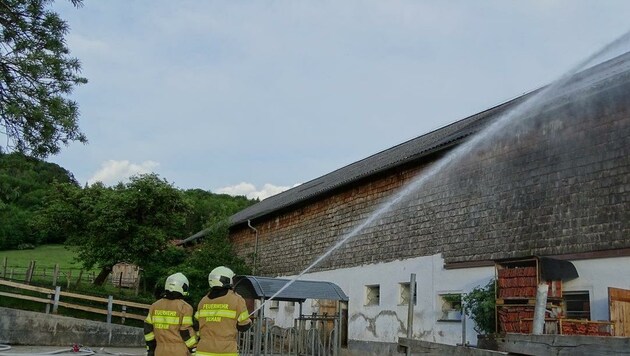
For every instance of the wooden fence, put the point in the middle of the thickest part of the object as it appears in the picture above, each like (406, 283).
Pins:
(53, 300)
(68, 277)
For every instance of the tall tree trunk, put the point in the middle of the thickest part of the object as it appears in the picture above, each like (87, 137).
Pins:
(102, 276)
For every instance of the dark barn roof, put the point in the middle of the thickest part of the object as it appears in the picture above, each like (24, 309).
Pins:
(589, 80)
(264, 287)
(406, 152)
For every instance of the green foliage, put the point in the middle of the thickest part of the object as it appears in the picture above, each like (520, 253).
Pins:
(134, 222)
(209, 209)
(130, 222)
(25, 185)
(479, 304)
(36, 76)
(453, 300)
(197, 262)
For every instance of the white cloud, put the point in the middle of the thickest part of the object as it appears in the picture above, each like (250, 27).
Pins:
(112, 172)
(250, 191)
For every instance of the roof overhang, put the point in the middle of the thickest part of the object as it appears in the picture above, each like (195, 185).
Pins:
(298, 291)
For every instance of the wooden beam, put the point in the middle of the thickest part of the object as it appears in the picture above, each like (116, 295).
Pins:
(574, 345)
(26, 297)
(623, 252)
(27, 287)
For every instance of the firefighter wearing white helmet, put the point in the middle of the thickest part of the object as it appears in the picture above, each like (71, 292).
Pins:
(221, 314)
(168, 329)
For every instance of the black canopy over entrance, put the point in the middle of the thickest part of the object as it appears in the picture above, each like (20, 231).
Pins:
(264, 287)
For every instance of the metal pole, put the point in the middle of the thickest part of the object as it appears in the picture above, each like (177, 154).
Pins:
(249, 223)
(56, 300)
(338, 330)
(110, 307)
(539, 309)
(412, 292)
(259, 327)
(463, 323)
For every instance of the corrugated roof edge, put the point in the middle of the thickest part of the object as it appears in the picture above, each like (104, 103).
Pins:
(445, 137)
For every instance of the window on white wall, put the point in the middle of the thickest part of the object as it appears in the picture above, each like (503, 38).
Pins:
(373, 295)
(577, 304)
(404, 294)
(451, 306)
(275, 304)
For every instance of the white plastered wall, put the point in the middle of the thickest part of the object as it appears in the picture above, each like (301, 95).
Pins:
(388, 320)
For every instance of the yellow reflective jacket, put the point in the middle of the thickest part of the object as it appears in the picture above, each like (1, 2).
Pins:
(218, 318)
(170, 325)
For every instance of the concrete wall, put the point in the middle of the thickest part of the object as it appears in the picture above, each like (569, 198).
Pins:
(382, 325)
(19, 327)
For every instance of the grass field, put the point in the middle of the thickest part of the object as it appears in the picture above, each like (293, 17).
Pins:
(45, 256)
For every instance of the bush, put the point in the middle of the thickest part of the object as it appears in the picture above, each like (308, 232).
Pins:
(479, 304)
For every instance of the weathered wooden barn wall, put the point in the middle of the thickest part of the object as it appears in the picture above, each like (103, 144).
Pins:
(555, 183)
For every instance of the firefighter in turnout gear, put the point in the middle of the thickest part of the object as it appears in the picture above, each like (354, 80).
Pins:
(221, 315)
(168, 329)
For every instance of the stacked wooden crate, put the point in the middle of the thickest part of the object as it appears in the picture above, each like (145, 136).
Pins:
(585, 327)
(517, 284)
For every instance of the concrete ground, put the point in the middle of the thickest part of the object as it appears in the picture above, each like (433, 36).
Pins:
(122, 351)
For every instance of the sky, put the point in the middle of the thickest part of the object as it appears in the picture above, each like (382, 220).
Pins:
(255, 97)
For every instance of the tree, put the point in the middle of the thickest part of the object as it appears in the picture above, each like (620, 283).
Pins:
(25, 185)
(215, 250)
(36, 75)
(130, 222)
(209, 209)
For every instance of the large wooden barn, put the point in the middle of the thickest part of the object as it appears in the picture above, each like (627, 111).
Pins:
(545, 174)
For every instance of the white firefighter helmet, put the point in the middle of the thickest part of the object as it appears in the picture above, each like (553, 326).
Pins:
(177, 283)
(220, 277)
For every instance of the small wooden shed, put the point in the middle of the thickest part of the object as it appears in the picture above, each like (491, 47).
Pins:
(125, 275)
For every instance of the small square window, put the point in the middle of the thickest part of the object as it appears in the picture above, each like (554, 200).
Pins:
(404, 294)
(274, 304)
(373, 295)
(451, 306)
(577, 304)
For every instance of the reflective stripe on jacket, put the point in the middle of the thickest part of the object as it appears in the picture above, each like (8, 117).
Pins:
(218, 318)
(168, 320)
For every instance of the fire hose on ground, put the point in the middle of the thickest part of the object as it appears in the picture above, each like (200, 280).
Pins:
(74, 350)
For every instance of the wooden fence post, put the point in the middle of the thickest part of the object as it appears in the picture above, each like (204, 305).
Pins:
(137, 284)
(78, 280)
(124, 310)
(56, 300)
(55, 275)
(29, 272)
(11, 274)
(49, 296)
(110, 307)
(68, 277)
(4, 267)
